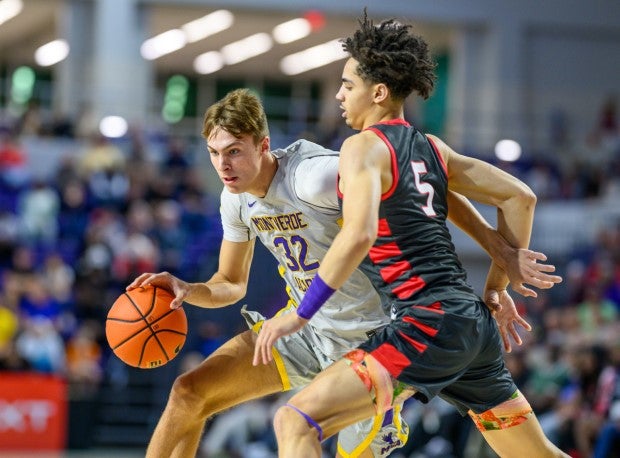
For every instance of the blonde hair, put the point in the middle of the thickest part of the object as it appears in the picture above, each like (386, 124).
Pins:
(240, 112)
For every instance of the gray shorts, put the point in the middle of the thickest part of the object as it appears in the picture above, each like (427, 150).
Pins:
(299, 359)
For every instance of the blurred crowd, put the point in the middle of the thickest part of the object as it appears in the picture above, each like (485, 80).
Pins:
(71, 242)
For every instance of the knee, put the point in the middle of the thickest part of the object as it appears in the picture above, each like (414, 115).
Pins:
(289, 423)
(184, 395)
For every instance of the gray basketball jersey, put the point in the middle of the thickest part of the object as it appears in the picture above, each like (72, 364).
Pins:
(297, 221)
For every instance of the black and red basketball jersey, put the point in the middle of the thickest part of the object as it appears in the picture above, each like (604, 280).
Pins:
(413, 260)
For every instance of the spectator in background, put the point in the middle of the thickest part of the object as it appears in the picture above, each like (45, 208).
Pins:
(100, 155)
(9, 325)
(38, 209)
(176, 162)
(595, 313)
(102, 167)
(59, 278)
(136, 252)
(73, 219)
(608, 120)
(170, 236)
(12, 360)
(41, 345)
(84, 359)
(14, 170)
(37, 302)
(20, 272)
(606, 415)
(9, 231)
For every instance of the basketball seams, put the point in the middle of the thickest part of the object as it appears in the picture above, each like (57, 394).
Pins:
(161, 346)
(148, 326)
(148, 352)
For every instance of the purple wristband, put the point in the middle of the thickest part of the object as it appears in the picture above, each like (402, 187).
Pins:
(315, 297)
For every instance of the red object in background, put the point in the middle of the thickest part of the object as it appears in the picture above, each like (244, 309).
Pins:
(315, 18)
(33, 412)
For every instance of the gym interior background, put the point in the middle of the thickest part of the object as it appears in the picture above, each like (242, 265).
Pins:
(103, 174)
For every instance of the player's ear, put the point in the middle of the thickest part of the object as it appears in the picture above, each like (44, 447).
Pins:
(381, 93)
(264, 145)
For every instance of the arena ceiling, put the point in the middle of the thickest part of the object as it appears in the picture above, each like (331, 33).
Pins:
(38, 23)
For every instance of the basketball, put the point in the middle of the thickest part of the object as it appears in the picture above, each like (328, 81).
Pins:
(142, 329)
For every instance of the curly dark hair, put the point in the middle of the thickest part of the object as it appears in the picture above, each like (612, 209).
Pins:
(390, 54)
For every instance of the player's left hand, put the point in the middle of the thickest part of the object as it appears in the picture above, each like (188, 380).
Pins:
(271, 331)
(506, 315)
(525, 268)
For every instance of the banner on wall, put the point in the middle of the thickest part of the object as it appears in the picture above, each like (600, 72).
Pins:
(33, 412)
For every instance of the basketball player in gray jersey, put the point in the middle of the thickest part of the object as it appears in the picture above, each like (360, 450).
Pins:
(297, 219)
(287, 198)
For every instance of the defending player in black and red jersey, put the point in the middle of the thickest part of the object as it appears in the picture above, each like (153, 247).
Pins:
(395, 183)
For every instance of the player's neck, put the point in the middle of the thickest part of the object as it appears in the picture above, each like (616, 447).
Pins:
(383, 114)
(268, 171)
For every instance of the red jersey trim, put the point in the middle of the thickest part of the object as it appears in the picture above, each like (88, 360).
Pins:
(406, 289)
(384, 229)
(435, 308)
(426, 329)
(383, 252)
(394, 165)
(390, 358)
(417, 345)
(439, 156)
(395, 122)
(393, 271)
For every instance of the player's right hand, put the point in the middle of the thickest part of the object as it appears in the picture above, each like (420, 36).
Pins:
(506, 315)
(178, 288)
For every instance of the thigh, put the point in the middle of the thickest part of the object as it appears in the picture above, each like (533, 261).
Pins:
(227, 377)
(336, 398)
(525, 439)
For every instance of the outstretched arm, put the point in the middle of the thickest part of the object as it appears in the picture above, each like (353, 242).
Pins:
(520, 264)
(227, 286)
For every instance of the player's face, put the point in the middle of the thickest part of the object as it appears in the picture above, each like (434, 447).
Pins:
(355, 96)
(238, 161)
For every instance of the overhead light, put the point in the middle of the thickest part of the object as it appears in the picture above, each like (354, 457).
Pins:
(113, 126)
(162, 44)
(508, 150)
(208, 25)
(247, 48)
(51, 53)
(9, 9)
(292, 30)
(312, 58)
(209, 62)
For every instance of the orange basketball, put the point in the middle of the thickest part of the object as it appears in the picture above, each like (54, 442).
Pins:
(143, 330)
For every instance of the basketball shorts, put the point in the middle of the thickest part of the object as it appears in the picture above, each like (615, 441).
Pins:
(452, 350)
(299, 360)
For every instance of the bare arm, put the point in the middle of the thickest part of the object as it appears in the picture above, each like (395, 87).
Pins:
(225, 287)
(520, 265)
(362, 159)
(515, 204)
(480, 181)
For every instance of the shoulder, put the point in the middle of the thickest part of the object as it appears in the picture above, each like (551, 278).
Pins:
(303, 148)
(444, 151)
(364, 141)
(229, 201)
(315, 180)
